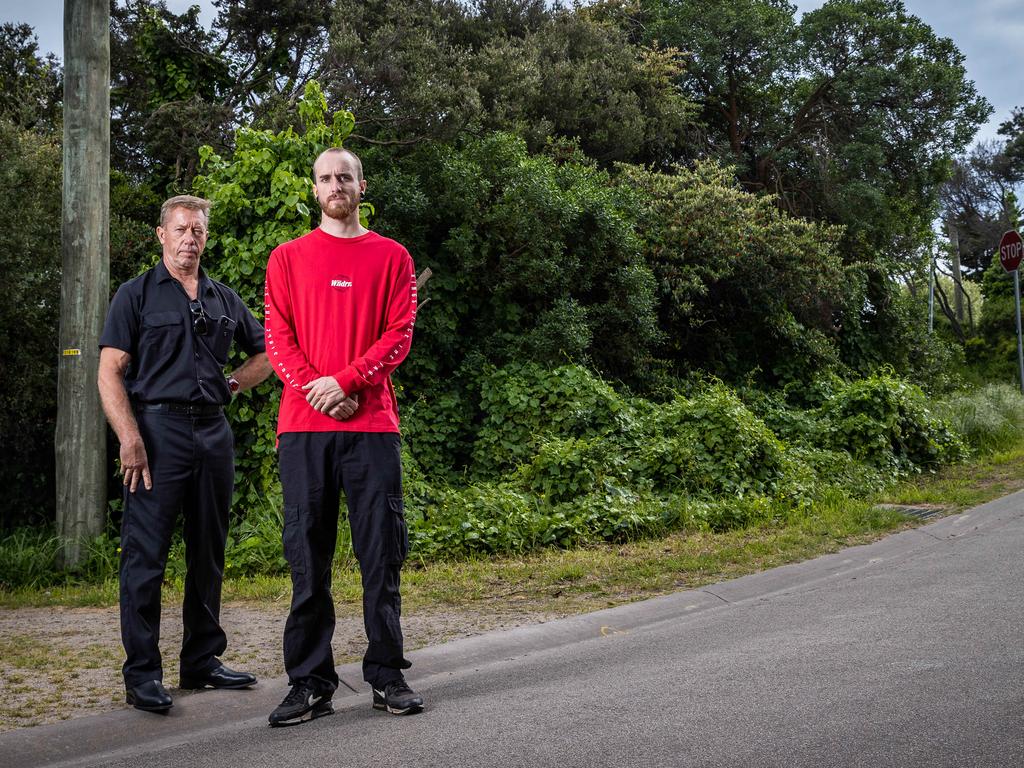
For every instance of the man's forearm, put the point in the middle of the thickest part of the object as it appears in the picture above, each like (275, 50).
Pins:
(252, 371)
(117, 406)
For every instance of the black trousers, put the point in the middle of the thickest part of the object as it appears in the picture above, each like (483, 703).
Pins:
(191, 460)
(315, 468)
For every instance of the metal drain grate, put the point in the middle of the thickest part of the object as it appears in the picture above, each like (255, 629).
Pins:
(921, 513)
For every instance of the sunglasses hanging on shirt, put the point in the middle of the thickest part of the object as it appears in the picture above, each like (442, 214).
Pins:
(200, 323)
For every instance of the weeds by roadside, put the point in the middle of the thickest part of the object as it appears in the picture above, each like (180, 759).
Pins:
(804, 479)
(601, 575)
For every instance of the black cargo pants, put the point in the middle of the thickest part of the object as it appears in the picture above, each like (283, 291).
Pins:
(315, 468)
(192, 463)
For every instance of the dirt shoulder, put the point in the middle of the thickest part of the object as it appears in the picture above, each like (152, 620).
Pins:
(61, 663)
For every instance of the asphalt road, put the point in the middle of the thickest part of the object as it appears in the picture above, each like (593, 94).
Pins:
(907, 652)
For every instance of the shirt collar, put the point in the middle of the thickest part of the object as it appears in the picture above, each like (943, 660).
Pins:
(162, 275)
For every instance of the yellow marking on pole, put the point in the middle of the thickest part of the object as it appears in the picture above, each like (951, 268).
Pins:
(72, 352)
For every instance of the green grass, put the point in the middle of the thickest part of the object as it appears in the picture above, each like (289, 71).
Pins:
(964, 485)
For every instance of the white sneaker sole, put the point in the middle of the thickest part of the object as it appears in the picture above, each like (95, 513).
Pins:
(319, 710)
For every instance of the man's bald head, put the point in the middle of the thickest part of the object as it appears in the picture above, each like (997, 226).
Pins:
(335, 151)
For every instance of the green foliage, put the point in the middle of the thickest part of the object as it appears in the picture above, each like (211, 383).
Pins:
(887, 422)
(741, 285)
(438, 430)
(31, 557)
(534, 260)
(177, 86)
(996, 349)
(30, 261)
(712, 446)
(564, 469)
(254, 545)
(414, 68)
(480, 519)
(578, 77)
(28, 557)
(522, 405)
(895, 96)
(849, 116)
(30, 84)
(613, 514)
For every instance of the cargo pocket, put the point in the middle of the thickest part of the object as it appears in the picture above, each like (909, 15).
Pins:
(398, 536)
(292, 539)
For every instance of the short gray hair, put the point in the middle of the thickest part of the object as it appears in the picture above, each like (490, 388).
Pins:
(191, 202)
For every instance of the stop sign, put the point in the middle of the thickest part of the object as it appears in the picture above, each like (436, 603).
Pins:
(1011, 250)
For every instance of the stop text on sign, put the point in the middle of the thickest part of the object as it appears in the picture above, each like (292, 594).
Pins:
(1011, 250)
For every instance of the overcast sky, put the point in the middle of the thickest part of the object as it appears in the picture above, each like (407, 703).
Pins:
(990, 33)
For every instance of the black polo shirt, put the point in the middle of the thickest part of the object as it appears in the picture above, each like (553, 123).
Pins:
(150, 319)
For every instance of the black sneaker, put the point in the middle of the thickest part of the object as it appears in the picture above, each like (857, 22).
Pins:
(397, 698)
(304, 702)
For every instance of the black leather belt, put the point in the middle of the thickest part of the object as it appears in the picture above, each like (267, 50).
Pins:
(183, 409)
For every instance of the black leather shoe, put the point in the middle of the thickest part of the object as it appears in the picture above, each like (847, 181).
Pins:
(150, 696)
(218, 677)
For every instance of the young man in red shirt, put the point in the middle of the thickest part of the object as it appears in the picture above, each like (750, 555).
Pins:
(340, 309)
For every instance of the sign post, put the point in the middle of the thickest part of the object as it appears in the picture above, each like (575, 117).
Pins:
(1011, 251)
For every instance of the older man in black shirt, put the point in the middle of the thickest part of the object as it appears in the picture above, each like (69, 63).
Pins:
(162, 383)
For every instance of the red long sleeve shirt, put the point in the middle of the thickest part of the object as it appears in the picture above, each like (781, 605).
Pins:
(341, 307)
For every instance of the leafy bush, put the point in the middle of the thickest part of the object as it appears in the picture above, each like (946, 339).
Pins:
(732, 514)
(886, 421)
(612, 514)
(712, 446)
(523, 405)
(565, 468)
(438, 430)
(481, 519)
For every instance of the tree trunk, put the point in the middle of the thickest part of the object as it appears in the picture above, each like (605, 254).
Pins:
(80, 440)
(958, 295)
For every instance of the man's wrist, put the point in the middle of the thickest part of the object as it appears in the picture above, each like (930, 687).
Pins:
(233, 385)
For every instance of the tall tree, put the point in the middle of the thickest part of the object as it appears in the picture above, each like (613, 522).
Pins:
(978, 202)
(178, 86)
(30, 177)
(30, 84)
(849, 116)
(1013, 130)
(81, 430)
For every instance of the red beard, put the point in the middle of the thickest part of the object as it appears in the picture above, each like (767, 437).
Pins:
(340, 207)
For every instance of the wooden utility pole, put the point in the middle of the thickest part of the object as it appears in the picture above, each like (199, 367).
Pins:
(81, 434)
